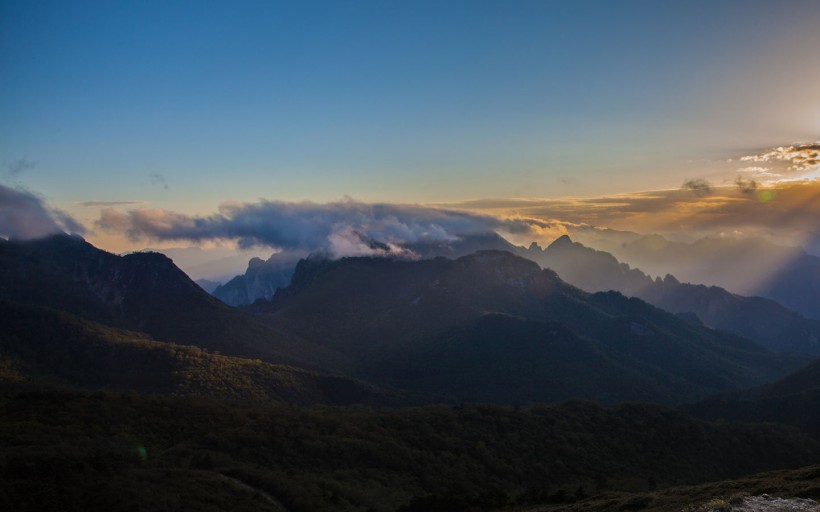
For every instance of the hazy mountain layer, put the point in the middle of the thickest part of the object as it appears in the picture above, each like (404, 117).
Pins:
(750, 266)
(762, 320)
(260, 280)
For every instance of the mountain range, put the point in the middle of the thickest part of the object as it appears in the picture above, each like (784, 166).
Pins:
(748, 266)
(492, 326)
(757, 318)
(125, 386)
(263, 277)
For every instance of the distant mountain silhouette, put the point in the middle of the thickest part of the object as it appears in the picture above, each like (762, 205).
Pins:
(208, 285)
(143, 292)
(494, 326)
(749, 266)
(762, 320)
(262, 278)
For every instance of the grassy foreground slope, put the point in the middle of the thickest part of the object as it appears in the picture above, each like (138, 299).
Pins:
(74, 451)
(43, 345)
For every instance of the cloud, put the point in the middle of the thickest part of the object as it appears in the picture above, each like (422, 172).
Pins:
(24, 216)
(158, 180)
(19, 167)
(786, 212)
(67, 222)
(763, 172)
(341, 228)
(796, 159)
(108, 204)
(746, 186)
(699, 187)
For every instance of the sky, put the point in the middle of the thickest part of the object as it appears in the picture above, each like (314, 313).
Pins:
(114, 113)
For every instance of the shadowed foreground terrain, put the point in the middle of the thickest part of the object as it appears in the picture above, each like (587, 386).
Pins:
(720, 496)
(76, 451)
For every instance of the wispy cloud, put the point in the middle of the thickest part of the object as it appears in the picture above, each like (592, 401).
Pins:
(158, 180)
(19, 166)
(23, 215)
(341, 228)
(760, 172)
(700, 187)
(109, 204)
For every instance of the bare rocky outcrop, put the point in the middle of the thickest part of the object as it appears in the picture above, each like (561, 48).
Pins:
(766, 503)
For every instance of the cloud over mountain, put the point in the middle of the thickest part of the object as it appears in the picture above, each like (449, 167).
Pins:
(342, 228)
(23, 215)
(785, 212)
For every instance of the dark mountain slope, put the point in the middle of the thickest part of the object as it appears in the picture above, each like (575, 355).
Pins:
(503, 359)
(263, 278)
(759, 319)
(141, 291)
(423, 322)
(794, 400)
(40, 345)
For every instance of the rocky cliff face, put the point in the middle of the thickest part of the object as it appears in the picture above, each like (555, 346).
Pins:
(261, 279)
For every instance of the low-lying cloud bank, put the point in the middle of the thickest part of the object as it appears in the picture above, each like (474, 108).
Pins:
(344, 228)
(25, 216)
(785, 212)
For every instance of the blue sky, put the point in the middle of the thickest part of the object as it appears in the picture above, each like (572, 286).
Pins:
(184, 105)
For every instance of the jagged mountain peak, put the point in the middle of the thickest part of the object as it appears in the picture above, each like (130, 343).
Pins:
(561, 241)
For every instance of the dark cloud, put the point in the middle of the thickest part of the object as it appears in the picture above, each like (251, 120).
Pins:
(24, 216)
(699, 187)
(341, 228)
(158, 180)
(746, 186)
(19, 167)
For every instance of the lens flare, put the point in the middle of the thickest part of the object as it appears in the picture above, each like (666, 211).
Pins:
(765, 195)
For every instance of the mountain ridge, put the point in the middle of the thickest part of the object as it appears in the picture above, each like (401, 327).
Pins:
(757, 318)
(386, 313)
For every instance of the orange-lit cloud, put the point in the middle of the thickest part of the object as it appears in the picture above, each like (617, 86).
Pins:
(794, 160)
(788, 212)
